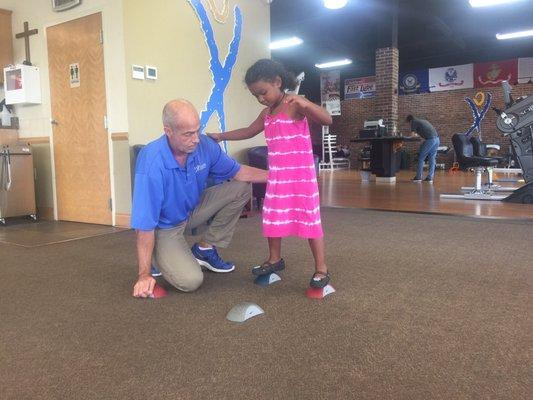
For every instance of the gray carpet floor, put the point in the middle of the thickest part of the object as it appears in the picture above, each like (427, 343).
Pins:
(427, 307)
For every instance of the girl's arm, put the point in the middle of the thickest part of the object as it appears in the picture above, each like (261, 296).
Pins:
(254, 129)
(310, 110)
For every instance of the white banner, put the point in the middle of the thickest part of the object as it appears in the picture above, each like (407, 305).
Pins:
(451, 78)
(330, 91)
(525, 70)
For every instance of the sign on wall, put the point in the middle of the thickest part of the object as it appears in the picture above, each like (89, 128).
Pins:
(360, 88)
(525, 70)
(493, 73)
(330, 94)
(451, 78)
(74, 70)
(414, 82)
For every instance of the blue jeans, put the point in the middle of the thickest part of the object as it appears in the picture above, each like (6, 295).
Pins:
(427, 149)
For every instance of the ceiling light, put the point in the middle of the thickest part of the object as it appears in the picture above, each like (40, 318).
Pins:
(486, 3)
(280, 44)
(334, 4)
(336, 63)
(514, 35)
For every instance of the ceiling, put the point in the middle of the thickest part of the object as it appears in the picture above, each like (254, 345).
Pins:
(431, 33)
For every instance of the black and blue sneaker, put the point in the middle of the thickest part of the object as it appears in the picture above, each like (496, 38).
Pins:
(155, 272)
(211, 260)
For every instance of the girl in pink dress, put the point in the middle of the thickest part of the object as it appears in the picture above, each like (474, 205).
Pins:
(291, 206)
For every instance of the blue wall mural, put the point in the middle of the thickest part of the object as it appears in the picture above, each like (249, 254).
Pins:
(220, 72)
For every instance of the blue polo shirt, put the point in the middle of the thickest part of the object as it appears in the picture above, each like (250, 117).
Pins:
(165, 193)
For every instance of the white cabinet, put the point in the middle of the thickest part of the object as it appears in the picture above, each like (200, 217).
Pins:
(22, 84)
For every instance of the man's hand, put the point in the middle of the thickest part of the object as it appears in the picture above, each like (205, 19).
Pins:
(217, 137)
(144, 287)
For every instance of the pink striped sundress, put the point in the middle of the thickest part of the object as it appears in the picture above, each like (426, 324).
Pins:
(292, 204)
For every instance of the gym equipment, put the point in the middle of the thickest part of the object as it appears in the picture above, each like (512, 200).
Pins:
(158, 292)
(244, 311)
(481, 150)
(516, 122)
(442, 152)
(319, 293)
(329, 148)
(268, 279)
(464, 151)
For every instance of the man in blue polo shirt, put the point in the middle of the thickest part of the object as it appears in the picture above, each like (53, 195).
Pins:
(170, 196)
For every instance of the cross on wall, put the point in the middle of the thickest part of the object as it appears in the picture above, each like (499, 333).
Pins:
(26, 35)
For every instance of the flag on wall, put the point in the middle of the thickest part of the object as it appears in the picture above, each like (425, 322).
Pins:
(525, 70)
(451, 78)
(493, 73)
(412, 82)
(360, 88)
(330, 91)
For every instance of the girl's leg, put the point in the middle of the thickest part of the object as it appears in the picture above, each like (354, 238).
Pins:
(274, 248)
(317, 248)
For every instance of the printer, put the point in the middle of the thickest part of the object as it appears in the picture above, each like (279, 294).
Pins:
(372, 129)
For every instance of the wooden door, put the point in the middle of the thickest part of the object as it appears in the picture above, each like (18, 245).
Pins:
(81, 150)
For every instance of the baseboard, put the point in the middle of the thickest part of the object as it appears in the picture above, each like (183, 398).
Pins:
(122, 220)
(46, 213)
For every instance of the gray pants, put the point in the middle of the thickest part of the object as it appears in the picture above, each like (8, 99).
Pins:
(221, 204)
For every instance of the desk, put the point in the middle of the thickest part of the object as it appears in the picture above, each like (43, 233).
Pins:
(385, 154)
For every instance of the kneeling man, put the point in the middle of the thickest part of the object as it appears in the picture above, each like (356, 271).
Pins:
(170, 196)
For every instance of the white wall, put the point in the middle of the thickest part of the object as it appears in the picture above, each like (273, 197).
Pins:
(35, 119)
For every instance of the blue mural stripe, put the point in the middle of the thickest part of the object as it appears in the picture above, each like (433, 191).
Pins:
(221, 73)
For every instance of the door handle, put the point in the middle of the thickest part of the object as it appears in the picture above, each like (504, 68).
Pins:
(54, 122)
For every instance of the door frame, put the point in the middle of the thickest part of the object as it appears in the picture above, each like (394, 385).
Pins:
(59, 21)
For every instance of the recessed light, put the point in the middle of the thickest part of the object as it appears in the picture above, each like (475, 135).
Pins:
(280, 44)
(336, 63)
(514, 35)
(487, 3)
(334, 4)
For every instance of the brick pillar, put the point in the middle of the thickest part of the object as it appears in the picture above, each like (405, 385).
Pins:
(386, 106)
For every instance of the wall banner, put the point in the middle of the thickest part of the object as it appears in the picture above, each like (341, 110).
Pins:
(491, 74)
(330, 94)
(360, 88)
(451, 78)
(414, 82)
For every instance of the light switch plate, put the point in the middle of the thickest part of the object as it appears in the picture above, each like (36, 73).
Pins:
(151, 72)
(137, 72)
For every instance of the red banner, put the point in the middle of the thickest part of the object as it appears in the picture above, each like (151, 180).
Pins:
(493, 73)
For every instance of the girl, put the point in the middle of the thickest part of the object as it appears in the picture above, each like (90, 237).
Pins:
(291, 205)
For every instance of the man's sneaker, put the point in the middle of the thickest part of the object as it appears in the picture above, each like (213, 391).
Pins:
(155, 272)
(415, 179)
(428, 180)
(211, 260)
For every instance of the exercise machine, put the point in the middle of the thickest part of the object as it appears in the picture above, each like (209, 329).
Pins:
(516, 123)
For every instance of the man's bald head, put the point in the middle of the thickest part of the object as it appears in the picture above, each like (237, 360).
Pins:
(182, 125)
(177, 113)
